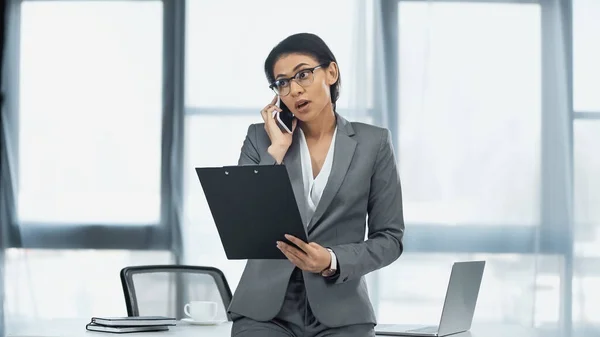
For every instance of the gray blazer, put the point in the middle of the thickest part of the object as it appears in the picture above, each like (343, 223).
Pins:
(364, 181)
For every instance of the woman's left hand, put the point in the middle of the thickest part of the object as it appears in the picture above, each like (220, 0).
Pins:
(311, 257)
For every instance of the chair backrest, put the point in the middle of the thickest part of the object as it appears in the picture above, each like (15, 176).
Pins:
(163, 290)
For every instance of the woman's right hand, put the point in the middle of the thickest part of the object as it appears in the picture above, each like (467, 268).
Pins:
(280, 141)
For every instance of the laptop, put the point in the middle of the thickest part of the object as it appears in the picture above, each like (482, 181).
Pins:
(459, 305)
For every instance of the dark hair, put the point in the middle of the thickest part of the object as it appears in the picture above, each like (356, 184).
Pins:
(307, 44)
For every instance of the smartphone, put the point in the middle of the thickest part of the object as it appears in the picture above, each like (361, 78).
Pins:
(284, 118)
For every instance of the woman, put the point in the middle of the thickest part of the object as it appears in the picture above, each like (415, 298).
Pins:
(340, 172)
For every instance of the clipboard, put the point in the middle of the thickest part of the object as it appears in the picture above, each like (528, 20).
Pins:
(253, 207)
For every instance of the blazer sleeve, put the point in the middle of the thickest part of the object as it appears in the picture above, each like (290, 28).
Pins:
(385, 221)
(250, 154)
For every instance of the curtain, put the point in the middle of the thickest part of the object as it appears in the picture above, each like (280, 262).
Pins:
(557, 217)
(5, 181)
(578, 31)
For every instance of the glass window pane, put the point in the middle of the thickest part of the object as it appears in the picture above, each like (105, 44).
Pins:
(227, 68)
(586, 55)
(90, 118)
(55, 284)
(200, 150)
(412, 289)
(470, 111)
(586, 298)
(587, 186)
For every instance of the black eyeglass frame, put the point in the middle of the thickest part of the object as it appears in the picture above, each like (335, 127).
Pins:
(273, 86)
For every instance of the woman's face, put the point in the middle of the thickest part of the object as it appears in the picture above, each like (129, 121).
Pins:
(305, 98)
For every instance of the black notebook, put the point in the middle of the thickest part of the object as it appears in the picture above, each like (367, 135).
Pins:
(135, 321)
(125, 329)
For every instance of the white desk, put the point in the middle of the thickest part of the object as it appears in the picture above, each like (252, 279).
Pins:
(76, 328)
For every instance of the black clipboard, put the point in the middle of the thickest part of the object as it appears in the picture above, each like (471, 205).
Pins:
(253, 207)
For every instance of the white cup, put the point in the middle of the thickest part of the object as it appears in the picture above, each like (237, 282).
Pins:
(201, 311)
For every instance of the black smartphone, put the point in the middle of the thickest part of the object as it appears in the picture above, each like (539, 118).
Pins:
(284, 118)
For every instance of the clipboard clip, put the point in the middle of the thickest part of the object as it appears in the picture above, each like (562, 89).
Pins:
(227, 172)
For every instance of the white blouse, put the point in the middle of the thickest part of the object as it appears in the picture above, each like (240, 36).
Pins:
(313, 187)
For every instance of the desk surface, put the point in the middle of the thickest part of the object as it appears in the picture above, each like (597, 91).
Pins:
(76, 328)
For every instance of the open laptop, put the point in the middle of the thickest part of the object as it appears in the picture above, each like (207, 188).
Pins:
(459, 305)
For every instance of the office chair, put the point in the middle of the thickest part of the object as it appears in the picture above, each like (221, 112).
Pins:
(163, 290)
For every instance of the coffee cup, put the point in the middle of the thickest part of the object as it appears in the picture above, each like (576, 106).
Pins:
(201, 311)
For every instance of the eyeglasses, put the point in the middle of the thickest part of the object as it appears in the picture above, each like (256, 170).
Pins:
(304, 78)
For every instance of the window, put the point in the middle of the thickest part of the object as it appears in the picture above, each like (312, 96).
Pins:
(470, 113)
(415, 286)
(587, 185)
(226, 69)
(54, 284)
(90, 112)
(586, 298)
(211, 140)
(586, 53)
(469, 154)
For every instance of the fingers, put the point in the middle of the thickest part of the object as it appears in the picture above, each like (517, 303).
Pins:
(268, 112)
(297, 257)
(293, 259)
(265, 112)
(268, 115)
(300, 255)
(270, 107)
(301, 244)
(301, 259)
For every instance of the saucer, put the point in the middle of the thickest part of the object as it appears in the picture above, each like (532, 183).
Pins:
(210, 322)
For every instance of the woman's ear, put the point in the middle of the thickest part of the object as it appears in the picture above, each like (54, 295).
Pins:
(332, 73)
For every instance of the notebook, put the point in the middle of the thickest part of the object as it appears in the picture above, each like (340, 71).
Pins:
(125, 329)
(134, 321)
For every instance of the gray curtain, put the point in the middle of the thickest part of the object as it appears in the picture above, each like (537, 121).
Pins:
(9, 235)
(3, 221)
(386, 65)
(557, 188)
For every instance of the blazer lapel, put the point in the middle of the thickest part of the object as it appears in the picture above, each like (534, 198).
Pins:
(342, 157)
(293, 164)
